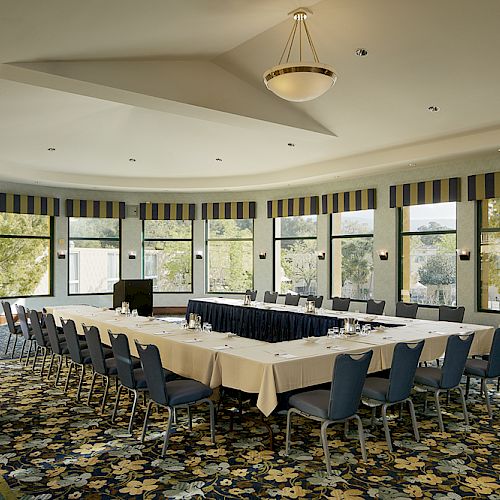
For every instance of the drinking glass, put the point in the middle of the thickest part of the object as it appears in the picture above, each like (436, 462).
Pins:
(118, 311)
(207, 327)
(341, 332)
(135, 313)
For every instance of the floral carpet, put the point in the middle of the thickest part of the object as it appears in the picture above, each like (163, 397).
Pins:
(51, 447)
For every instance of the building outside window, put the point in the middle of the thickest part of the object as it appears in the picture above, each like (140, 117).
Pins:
(489, 254)
(94, 255)
(295, 251)
(168, 255)
(352, 254)
(229, 261)
(25, 248)
(428, 263)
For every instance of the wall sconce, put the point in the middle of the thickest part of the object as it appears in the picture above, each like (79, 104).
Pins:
(262, 255)
(383, 254)
(199, 254)
(463, 253)
(321, 255)
(61, 254)
(132, 255)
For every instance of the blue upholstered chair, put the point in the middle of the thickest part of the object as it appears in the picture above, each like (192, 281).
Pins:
(14, 329)
(396, 389)
(448, 376)
(42, 344)
(339, 404)
(270, 297)
(28, 337)
(318, 300)
(171, 395)
(375, 306)
(252, 293)
(292, 299)
(57, 345)
(406, 310)
(454, 314)
(341, 304)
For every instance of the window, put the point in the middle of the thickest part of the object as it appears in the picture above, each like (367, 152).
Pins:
(25, 250)
(229, 255)
(168, 255)
(489, 255)
(428, 264)
(94, 255)
(352, 254)
(295, 245)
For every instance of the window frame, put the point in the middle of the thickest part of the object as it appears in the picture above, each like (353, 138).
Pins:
(144, 239)
(51, 259)
(80, 238)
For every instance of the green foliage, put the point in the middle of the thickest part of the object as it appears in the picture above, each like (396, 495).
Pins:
(299, 262)
(357, 261)
(438, 270)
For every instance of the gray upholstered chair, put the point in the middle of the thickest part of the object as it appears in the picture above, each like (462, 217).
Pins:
(252, 293)
(318, 300)
(28, 337)
(396, 389)
(448, 376)
(340, 303)
(375, 306)
(42, 344)
(454, 314)
(339, 404)
(406, 310)
(270, 297)
(292, 299)
(14, 329)
(57, 345)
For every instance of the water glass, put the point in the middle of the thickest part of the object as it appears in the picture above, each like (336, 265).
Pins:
(342, 332)
(118, 311)
(135, 313)
(207, 327)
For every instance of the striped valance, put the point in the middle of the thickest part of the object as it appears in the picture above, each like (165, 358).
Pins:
(348, 201)
(421, 193)
(26, 204)
(228, 210)
(307, 205)
(100, 209)
(484, 186)
(167, 211)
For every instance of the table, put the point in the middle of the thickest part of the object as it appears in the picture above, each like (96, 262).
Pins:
(264, 368)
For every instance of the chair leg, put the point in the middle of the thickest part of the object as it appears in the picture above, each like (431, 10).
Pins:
(117, 400)
(80, 385)
(30, 345)
(132, 415)
(374, 415)
(467, 387)
(89, 397)
(438, 409)
(190, 420)
(14, 348)
(145, 425)
(464, 404)
(487, 397)
(361, 435)
(212, 420)
(22, 351)
(37, 349)
(167, 434)
(50, 365)
(58, 370)
(326, 451)
(288, 431)
(8, 342)
(346, 429)
(68, 376)
(105, 396)
(386, 427)
(413, 420)
(43, 362)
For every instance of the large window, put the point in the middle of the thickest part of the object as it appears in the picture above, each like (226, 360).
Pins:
(295, 245)
(229, 255)
(428, 263)
(489, 255)
(94, 255)
(352, 254)
(168, 255)
(25, 250)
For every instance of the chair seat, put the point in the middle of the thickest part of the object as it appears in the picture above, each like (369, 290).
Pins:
(140, 379)
(312, 402)
(476, 367)
(428, 375)
(186, 391)
(376, 388)
(111, 366)
(87, 360)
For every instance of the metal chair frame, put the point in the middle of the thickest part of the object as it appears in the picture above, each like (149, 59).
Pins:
(14, 330)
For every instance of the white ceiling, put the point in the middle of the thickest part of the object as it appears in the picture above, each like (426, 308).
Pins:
(176, 85)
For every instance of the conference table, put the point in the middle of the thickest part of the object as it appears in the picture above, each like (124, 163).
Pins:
(265, 368)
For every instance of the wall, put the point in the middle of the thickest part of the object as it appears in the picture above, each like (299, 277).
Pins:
(385, 272)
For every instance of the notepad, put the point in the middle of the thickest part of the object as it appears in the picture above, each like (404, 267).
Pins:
(287, 356)
(192, 341)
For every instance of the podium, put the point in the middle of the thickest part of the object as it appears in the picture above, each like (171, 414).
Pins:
(138, 293)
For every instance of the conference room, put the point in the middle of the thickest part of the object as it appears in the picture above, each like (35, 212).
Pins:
(249, 249)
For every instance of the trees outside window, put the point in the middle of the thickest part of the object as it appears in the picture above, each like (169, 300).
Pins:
(229, 255)
(94, 255)
(295, 263)
(25, 250)
(489, 254)
(168, 255)
(352, 254)
(428, 263)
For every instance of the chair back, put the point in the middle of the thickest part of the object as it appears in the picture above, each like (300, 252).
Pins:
(153, 371)
(406, 310)
(454, 314)
(50, 324)
(457, 350)
(404, 364)
(270, 297)
(72, 342)
(292, 299)
(375, 306)
(23, 321)
(318, 301)
(93, 338)
(36, 328)
(349, 374)
(252, 293)
(124, 365)
(341, 304)
(8, 316)
(493, 369)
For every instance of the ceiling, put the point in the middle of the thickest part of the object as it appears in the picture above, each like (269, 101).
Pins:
(177, 87)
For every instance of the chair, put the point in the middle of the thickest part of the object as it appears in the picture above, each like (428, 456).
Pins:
(448, 376)
(57, 345)
(396, 389)
(292, 299)
(341, 304)
(171, 395)
(375, 307)
(27, 333)
(14, 330)
(406, 310)
(252, 293)
(339, 404)
(41, 339)
(318, 301)
(270, 297)
(454, 314)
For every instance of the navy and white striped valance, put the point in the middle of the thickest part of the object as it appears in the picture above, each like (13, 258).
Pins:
(228, 210)
(348, 201)
(483, 186)
(167, 211)
(100, 209)
(421, 193)
(26, 204)
(307, 205)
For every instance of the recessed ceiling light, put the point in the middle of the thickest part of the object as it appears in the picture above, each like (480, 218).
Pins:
(132, 159)
(433, 109)
(291, 144)
(361, 52)
(218, 159)
(51, 149)
(498, 150)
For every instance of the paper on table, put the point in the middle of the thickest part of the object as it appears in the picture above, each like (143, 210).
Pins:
(192, 341)
(288, 356)
(222, 347)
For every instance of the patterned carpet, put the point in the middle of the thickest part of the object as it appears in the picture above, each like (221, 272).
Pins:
(51, 447)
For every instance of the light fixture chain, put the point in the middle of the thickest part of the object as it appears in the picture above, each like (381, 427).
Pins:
(313, 48)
